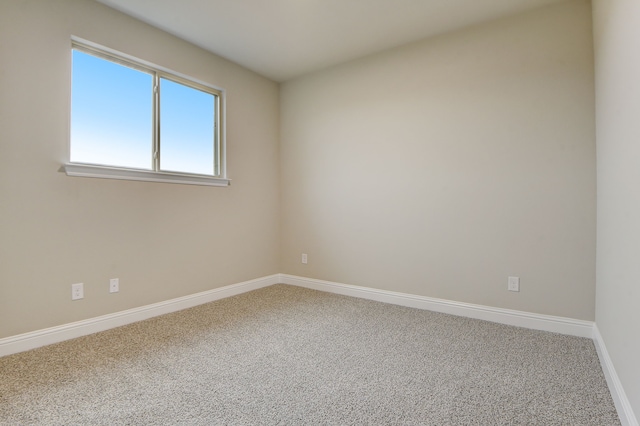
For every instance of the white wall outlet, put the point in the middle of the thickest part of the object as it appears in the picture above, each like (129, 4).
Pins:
(77, 291)
(114, 285)
(304, 258)
(513, 284)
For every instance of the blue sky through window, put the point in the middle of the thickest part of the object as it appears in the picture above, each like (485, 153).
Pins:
(186, 128)
(111, 113)
(112, 119)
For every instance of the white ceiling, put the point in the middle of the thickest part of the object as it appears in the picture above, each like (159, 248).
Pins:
(282, 39)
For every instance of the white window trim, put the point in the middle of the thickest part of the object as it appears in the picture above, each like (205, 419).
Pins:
(110, 172)
(107, 172)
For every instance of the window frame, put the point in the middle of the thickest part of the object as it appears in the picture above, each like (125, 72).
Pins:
(219, 177)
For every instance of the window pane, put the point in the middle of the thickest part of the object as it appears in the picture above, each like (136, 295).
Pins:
(186, 129)
(111, 113)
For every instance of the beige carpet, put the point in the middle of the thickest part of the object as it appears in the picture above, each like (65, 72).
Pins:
(287, 355)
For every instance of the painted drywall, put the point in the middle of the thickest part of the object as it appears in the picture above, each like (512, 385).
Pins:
(161, 240)
(617, 67)
(443, 167)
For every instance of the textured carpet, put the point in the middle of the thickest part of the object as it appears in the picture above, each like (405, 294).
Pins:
(287, 355)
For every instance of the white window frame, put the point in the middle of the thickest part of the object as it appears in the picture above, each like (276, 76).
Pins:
(219, 178)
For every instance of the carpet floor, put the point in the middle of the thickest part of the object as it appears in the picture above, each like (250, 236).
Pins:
(288, 355)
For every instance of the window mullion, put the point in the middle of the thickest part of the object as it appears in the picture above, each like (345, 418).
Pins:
(156, 122)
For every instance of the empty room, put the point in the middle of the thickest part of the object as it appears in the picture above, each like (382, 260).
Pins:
(319, 212)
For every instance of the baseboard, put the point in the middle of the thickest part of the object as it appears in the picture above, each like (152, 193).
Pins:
(504, 316)
(625, 412)
(35, 339)
(32, 340)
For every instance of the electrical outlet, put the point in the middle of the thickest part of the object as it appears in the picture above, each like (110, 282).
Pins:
(114, 285)
(77, 291)
(304, 258)
(513, 284)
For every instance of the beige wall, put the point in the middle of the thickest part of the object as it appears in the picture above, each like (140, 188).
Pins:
(616, 35)
(161, 240)
(442, 167)
(438, 169)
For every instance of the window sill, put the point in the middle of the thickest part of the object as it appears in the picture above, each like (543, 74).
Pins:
(104, 172)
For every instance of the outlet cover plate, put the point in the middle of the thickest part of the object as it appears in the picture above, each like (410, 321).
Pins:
(514, 284)
(114, 285)
(77, 291)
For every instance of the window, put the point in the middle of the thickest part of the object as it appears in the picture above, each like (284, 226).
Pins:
(133, 120)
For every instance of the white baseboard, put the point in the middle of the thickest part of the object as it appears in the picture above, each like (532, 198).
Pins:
(625, 412)
(32, 340)
(504, 316)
